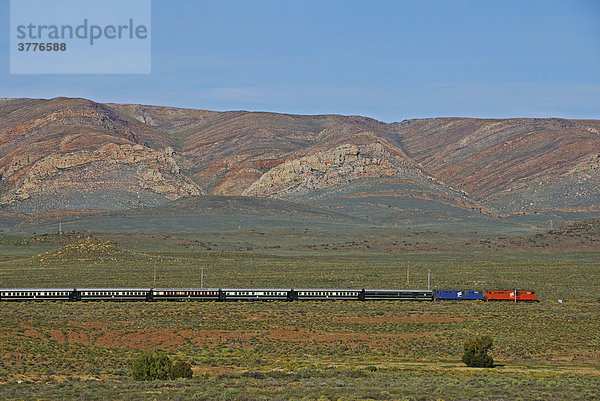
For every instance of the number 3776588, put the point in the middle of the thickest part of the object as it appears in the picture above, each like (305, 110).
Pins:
(42, 47)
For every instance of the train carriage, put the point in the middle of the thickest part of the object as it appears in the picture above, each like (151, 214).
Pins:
(308, 294)
(397, 295)
(36, 294)
(256, 294)
(185, 294)
(113, 294)
(458, 295)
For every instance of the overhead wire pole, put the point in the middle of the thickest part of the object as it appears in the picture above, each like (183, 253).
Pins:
(154, 285)
(429, 279)
(202, 278)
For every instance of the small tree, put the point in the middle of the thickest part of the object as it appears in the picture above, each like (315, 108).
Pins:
(181, 369)
(476, 352)
(154, 365)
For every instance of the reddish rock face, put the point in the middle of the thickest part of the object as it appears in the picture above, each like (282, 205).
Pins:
(142, 155)
(510, 164)
(50, 147)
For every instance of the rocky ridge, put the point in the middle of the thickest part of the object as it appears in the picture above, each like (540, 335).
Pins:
(74, 150)
(155, 170)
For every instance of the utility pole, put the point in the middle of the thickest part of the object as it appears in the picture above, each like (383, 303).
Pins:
(202, 278)
(429, 279)
(551, 225)
(60, 227)
(154, 285)
(408, 275)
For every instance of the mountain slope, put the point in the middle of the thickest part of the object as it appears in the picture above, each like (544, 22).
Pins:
(77, 154)
(512, 165)
(65, 149)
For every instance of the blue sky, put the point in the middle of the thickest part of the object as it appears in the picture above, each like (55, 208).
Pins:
(390, 60)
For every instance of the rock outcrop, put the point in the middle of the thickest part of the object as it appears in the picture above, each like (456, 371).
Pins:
(324, 169)
(71, 151)
(133, 165)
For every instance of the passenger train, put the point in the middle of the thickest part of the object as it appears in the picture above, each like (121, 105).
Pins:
(258, 294)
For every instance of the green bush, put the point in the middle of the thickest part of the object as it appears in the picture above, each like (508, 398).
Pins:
(181, 369)
(476, 352)
(154, 365)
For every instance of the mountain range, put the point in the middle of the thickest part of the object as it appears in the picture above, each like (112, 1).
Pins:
(78, 155)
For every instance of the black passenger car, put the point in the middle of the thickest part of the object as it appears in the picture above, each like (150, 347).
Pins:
(311, 294)
(397, 295)
(36, 294)
(112, 294)
(256, 294)
(185, 294)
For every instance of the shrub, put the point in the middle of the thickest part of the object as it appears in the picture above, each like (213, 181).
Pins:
(182, 369)
(154, 365)
(476, 352)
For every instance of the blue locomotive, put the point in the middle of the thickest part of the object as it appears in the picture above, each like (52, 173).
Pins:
(458, 295)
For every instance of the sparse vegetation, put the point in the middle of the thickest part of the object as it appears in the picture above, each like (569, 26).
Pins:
(309, 350)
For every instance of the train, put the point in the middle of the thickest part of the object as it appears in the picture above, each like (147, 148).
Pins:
(259, 294)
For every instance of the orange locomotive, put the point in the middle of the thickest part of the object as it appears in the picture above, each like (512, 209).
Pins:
(503, 295)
